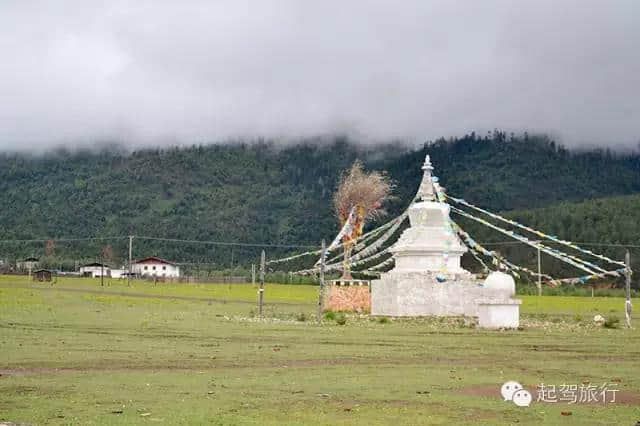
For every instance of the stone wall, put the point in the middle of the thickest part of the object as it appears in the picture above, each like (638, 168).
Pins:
(347, 299)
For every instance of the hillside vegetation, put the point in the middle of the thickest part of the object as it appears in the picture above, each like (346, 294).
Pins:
(589, 223)
(263, 193)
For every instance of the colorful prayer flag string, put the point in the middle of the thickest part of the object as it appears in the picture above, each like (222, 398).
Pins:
(534, 231)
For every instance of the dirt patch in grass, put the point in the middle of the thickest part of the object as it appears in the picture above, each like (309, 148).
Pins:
(19, 389)
(493, 391)
(488, 391)
(29, 369)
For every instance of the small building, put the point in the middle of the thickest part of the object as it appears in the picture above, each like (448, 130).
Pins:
(126, 275)
(95, 270)
(28, 264)
(156, 267)
(117, 273)
(121, 273)
(42, 275)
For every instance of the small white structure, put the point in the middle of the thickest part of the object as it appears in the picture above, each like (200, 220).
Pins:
(156, 267)
(500, 281)
(95, 270)
(499, 313)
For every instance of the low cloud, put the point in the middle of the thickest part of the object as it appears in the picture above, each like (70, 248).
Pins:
(78, 73)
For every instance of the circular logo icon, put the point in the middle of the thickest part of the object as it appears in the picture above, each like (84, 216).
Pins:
(522, 398)
(509, 388)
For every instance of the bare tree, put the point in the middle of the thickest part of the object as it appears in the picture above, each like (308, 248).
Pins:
(359, 198)
(49, 247)
(107, 253)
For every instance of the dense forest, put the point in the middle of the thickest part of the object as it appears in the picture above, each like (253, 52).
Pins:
(262, 192)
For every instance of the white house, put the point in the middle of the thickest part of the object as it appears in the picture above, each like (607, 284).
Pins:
(155, 266)
(28, 264)
(95, 270)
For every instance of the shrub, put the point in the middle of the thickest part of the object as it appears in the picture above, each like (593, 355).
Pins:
(612, 321)
(341, 319)
(383, 320)
(302, 317)
(329, 315)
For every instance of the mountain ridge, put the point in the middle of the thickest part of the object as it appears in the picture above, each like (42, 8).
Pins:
(263, 193)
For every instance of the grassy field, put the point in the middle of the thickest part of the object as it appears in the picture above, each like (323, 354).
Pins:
(78, 353)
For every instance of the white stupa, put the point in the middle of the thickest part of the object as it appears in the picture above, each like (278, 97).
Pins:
(429, 244)
(427, 278)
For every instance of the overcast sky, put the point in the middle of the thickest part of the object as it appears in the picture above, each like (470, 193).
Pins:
(154, 72)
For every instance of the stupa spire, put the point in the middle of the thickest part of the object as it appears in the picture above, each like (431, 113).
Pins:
(426, 192)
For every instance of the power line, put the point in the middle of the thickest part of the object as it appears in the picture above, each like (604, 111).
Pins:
(495, 243)
(609, 244)
(176, 240)
(43, 240)
(225, 243)
(502, 243)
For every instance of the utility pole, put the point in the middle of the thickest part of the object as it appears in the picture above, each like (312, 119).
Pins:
(253, 275)
(627, 305)
(261, 290)
(539, 273)
(321, 282)
(101, 270)
(130, 255)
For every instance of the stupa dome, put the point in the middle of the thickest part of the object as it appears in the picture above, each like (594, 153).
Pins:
(501, 281)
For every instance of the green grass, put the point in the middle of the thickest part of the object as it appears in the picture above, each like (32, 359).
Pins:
(239, 292)
(75, 353)
(299, 294)
(567, 305)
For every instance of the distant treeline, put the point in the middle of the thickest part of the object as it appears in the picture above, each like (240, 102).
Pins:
(264, 193)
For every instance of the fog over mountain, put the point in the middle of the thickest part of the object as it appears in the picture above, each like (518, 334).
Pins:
(153, 72)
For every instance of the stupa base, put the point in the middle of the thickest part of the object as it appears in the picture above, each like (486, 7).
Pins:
(348, 298)
(414, 294)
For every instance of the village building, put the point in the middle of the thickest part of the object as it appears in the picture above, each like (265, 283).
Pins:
(28, 264)
(119, 273)
(42, 275)
(155, 267)
(95, 270)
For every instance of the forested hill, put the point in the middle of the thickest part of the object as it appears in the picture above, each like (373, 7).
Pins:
(262, 193)
(607, 226)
